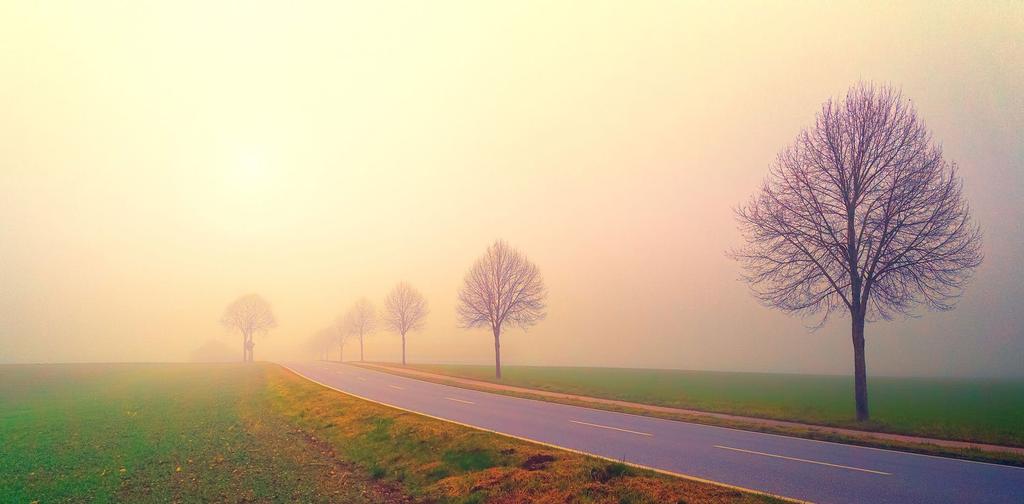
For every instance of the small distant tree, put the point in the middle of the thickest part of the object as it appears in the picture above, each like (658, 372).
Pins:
(502, 288)
(328, 338)
(861, 215)
(341, 336)
(321, 342)
(361, 321)
(404, 310)
(249, 315)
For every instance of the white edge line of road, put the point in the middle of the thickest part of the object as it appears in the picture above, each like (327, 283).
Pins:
(557, 447)
(609, 427)
(949, 459)
(807, 461)
(898, 452)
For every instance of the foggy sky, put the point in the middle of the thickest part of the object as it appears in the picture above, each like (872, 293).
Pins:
(160, 159)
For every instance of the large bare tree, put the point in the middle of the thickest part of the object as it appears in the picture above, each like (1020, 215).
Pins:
(360, 321)
(404, 310)
(861, 215)
(249, 315)
(502, 288)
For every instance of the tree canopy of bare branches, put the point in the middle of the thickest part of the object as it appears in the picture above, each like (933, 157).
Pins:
(404, 310)
(502, 288)
(360, 321)
(249, 315)
(861, 215)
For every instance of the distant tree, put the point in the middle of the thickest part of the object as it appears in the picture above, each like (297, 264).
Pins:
(320, 343)
(360, 321)
(502, 288)
(249, 315)
(341, 336)
(327, 338)
(860, 215)
(404, 310)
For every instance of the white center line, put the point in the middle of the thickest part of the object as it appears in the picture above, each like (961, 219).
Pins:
(396, 387)
(611, 428)
(804, 460)
(459, 400)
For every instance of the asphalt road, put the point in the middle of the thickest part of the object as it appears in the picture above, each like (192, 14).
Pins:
(790, 467)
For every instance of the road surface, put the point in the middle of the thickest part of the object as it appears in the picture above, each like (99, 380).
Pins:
(797, 468)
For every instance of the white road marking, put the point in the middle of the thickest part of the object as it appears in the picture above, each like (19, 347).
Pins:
(804, 460)
(612, 428)
(396, 387)
(459, 400)
(360, 378)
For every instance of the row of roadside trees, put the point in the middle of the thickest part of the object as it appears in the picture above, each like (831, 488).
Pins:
(502, 289)
(404, 311)
(861, 215)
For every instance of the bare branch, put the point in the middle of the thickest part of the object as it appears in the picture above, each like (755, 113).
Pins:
(405, 309)
(360, 321)
(861, 212)
(503, 287)
(250, 315)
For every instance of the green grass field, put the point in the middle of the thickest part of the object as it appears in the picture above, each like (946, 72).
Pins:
(989, 411)
(154, 433)
(258, 433)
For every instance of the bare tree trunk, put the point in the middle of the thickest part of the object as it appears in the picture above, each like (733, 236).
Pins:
(860, 373)
(403, 349)
(245, 347)
(497, 353)
(360, 348)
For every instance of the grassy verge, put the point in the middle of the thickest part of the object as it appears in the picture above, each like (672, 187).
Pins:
(977, 410)
(258, 433)
(642, 389)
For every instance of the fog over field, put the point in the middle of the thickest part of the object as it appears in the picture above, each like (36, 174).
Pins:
(158, 162)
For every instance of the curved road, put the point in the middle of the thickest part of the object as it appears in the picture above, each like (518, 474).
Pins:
(790, 467)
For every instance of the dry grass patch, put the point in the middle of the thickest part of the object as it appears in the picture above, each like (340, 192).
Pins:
(439, 461)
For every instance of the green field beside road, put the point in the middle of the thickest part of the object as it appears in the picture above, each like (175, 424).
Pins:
(979, 410)
(258, 433)
(153, 433)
